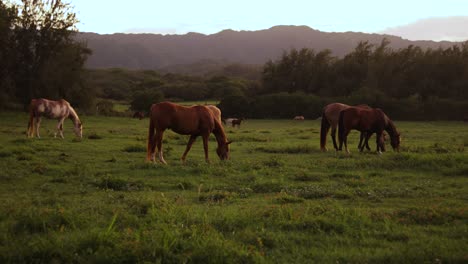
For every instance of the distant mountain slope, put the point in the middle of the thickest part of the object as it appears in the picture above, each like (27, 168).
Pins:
(155, 51)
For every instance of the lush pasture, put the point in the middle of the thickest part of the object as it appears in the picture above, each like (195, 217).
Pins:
(277, 200)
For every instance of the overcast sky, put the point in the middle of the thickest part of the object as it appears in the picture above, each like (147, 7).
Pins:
(427, 19)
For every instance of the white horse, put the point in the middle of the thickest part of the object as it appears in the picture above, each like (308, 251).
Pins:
(60, 110)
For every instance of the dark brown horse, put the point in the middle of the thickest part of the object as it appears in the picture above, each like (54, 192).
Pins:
(140, 115)
(330, 118)
(368, 121)
(60, 110)
(237, 122)
(194, 121)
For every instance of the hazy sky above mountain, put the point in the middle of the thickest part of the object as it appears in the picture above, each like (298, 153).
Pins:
(417, 19)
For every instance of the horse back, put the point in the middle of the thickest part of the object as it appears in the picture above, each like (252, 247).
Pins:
(332, 112)
(181, 119)
(50, 108)
(370, 119)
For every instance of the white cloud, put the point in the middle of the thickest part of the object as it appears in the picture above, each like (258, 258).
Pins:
(453, 28)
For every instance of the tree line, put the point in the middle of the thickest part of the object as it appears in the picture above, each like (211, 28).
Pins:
(402, 73)
(409, 83)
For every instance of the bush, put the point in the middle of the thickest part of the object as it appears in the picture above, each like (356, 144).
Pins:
(143, 100)
(105, 107)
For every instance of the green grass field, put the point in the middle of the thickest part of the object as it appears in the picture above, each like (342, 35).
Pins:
(278, 200)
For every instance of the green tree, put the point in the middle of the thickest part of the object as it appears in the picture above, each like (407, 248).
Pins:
(48, 62)
(142, 100)
(8, 17)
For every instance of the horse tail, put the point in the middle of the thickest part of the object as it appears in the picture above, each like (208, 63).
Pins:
(323, 131)
(31, 121)
(341, 128)
(151, 139)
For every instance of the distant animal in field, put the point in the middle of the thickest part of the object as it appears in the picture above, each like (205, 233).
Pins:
(330, 118)
(194, 121)
(228, 121)
(368, 121)
(237, 122)
(59, 110)
(298, 118)
(140, 115)
(216, 112)
(233, 121)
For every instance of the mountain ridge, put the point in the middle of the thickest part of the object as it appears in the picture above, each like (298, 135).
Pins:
(157, 51)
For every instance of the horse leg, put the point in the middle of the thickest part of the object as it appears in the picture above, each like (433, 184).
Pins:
(369, 135)
(31, 126)
(205, 146)
(59, 128)
(378, 141)
(361, 138)
(345, 141)
(382, 142)
(189, 146)
(365, 143)
(333, 136)
(159, 136)
(151, 149)
(38, 124)
(323, 139)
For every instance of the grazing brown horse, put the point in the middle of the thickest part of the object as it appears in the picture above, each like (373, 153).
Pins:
(330, 118)
(368, 121)
(60, 110)
(194, 121)
(298, 118)
(140, 115)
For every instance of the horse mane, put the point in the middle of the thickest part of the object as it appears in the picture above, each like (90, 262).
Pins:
(73, 114)
(390, 127)
(218, 131)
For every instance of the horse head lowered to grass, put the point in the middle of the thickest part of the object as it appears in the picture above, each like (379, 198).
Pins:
(60, 110)
(194, 121)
